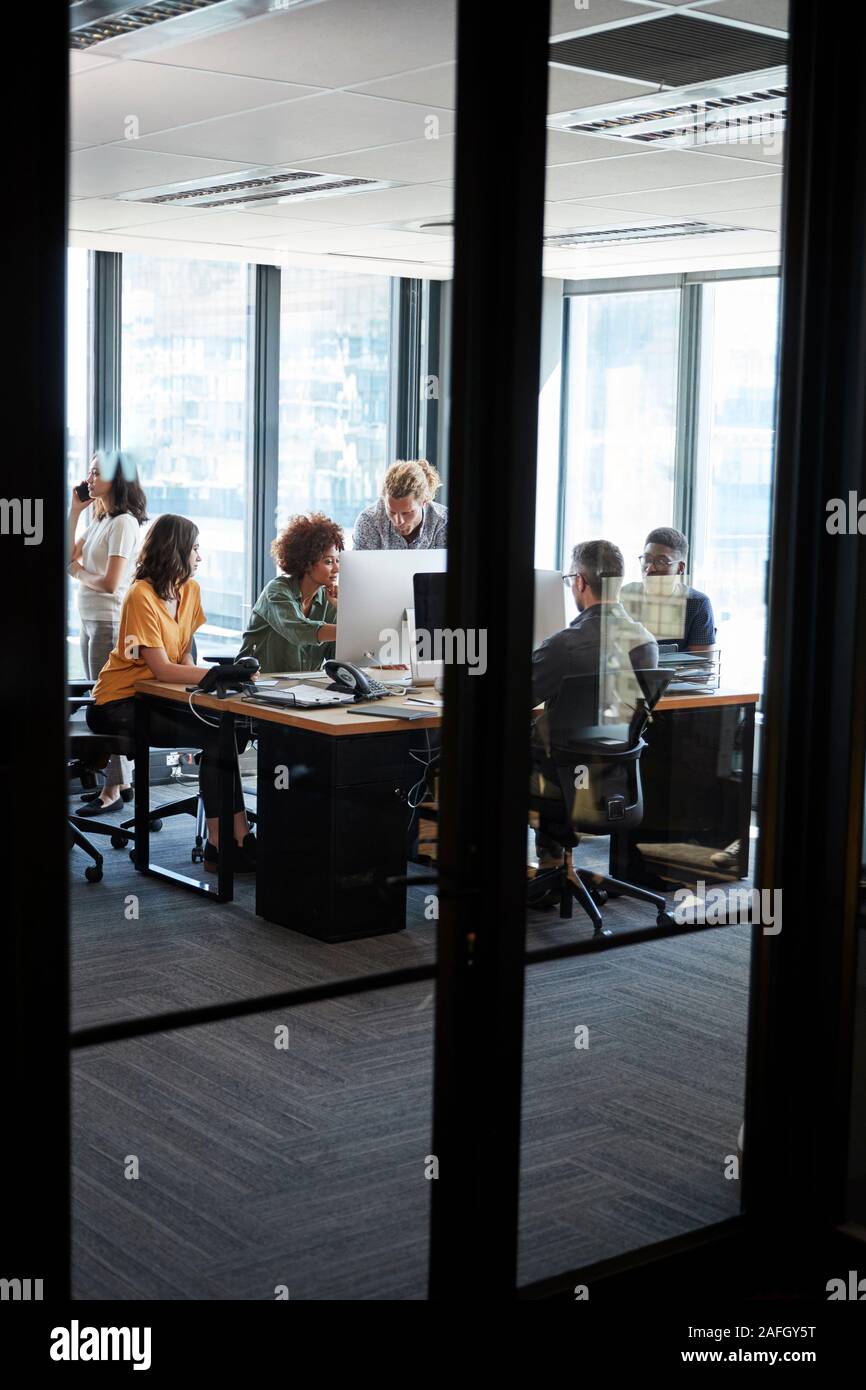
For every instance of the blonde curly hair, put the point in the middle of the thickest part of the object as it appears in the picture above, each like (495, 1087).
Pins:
(413, 478)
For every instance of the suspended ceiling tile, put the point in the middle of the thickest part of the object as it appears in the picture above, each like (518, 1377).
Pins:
(158, 97)
(106, 169)
(339, 44)
(298, 132)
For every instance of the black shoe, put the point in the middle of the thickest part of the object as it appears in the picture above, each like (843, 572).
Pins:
(243, 859)
(128, 794)
(245, 855)
(96, 808)
(89, 796)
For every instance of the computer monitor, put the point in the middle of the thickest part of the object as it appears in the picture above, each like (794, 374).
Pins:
(375, 593)
(549, 615)
(549, 612)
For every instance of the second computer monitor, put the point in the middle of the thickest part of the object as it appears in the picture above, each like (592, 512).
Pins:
(375, 592)
(549, 614)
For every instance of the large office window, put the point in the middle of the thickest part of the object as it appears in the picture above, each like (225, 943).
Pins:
(184, 413)
(734, 466)
(77, 410)
(626, 467)
(334, 392)
(621, 408)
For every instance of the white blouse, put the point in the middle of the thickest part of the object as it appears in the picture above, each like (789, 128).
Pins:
(111, 535)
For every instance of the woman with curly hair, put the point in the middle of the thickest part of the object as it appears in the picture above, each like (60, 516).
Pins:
(293, 626)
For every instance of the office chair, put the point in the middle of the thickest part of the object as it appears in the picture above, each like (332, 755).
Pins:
(123, 833)
(597, 790)
(90, 753)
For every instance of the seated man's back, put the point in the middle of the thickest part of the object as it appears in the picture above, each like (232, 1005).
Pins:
(602, 642)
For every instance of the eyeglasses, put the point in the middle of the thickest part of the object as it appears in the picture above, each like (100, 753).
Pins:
(662, 561)
(569, 578)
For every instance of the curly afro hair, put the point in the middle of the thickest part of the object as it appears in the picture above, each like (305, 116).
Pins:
(304, 541)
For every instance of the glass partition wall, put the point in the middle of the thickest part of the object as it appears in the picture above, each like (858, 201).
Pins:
(596, 1080)
(187, 331)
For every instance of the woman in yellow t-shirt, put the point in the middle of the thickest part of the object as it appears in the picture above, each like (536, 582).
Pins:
(161, 612)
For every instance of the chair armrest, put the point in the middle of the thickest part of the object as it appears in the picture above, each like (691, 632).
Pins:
(79, 687)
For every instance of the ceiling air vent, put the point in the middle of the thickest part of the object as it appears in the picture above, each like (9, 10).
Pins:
(672, 50)
(253, 187)
(749, 109)
(610, 236)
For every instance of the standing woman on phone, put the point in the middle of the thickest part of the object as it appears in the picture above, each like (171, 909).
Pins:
(103, 561)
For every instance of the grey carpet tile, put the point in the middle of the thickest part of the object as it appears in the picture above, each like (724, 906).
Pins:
(305, 1167)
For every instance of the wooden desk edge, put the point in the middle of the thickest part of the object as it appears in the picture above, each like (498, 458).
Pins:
(713, 701)
(333, 723)
(339, 724)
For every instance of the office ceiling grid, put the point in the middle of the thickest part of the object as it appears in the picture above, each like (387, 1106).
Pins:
(366, 89)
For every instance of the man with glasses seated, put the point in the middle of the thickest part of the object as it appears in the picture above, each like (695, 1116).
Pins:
(602, 641)
(663, 563)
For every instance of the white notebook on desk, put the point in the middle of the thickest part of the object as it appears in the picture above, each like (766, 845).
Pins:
(298, 675)
(302, 697)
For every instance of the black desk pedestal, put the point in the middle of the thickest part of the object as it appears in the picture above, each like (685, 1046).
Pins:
(331, 828)
(697, 783)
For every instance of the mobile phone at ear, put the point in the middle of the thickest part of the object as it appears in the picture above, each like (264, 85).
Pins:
(82, 492)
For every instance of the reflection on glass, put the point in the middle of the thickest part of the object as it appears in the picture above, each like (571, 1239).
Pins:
(334, 393)
(184, 414)
(621, 412)
(77, 414)
(735, 466)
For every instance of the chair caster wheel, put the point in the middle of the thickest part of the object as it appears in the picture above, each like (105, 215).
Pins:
(156, 825)
(119, 841)
(665, 919)
(599, 896)
(93, 873)
(197, 856)
(132, 855)
(602, 931)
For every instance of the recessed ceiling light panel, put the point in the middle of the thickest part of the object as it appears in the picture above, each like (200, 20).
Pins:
(647, 231)
(260, 187)
(737, 110)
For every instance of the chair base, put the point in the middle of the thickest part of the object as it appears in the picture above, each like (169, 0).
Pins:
(591, 890)
(93, 872)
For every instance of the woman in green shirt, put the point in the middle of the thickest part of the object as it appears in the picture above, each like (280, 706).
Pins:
(293, 626)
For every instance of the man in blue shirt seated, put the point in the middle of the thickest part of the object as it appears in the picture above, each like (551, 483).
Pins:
(663, 562)
(602, 642)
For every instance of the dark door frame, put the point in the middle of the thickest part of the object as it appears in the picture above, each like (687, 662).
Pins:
(799, 1065)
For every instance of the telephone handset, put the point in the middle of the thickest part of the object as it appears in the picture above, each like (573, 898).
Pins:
(350, 680)
(228, 676)
(346, 678)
